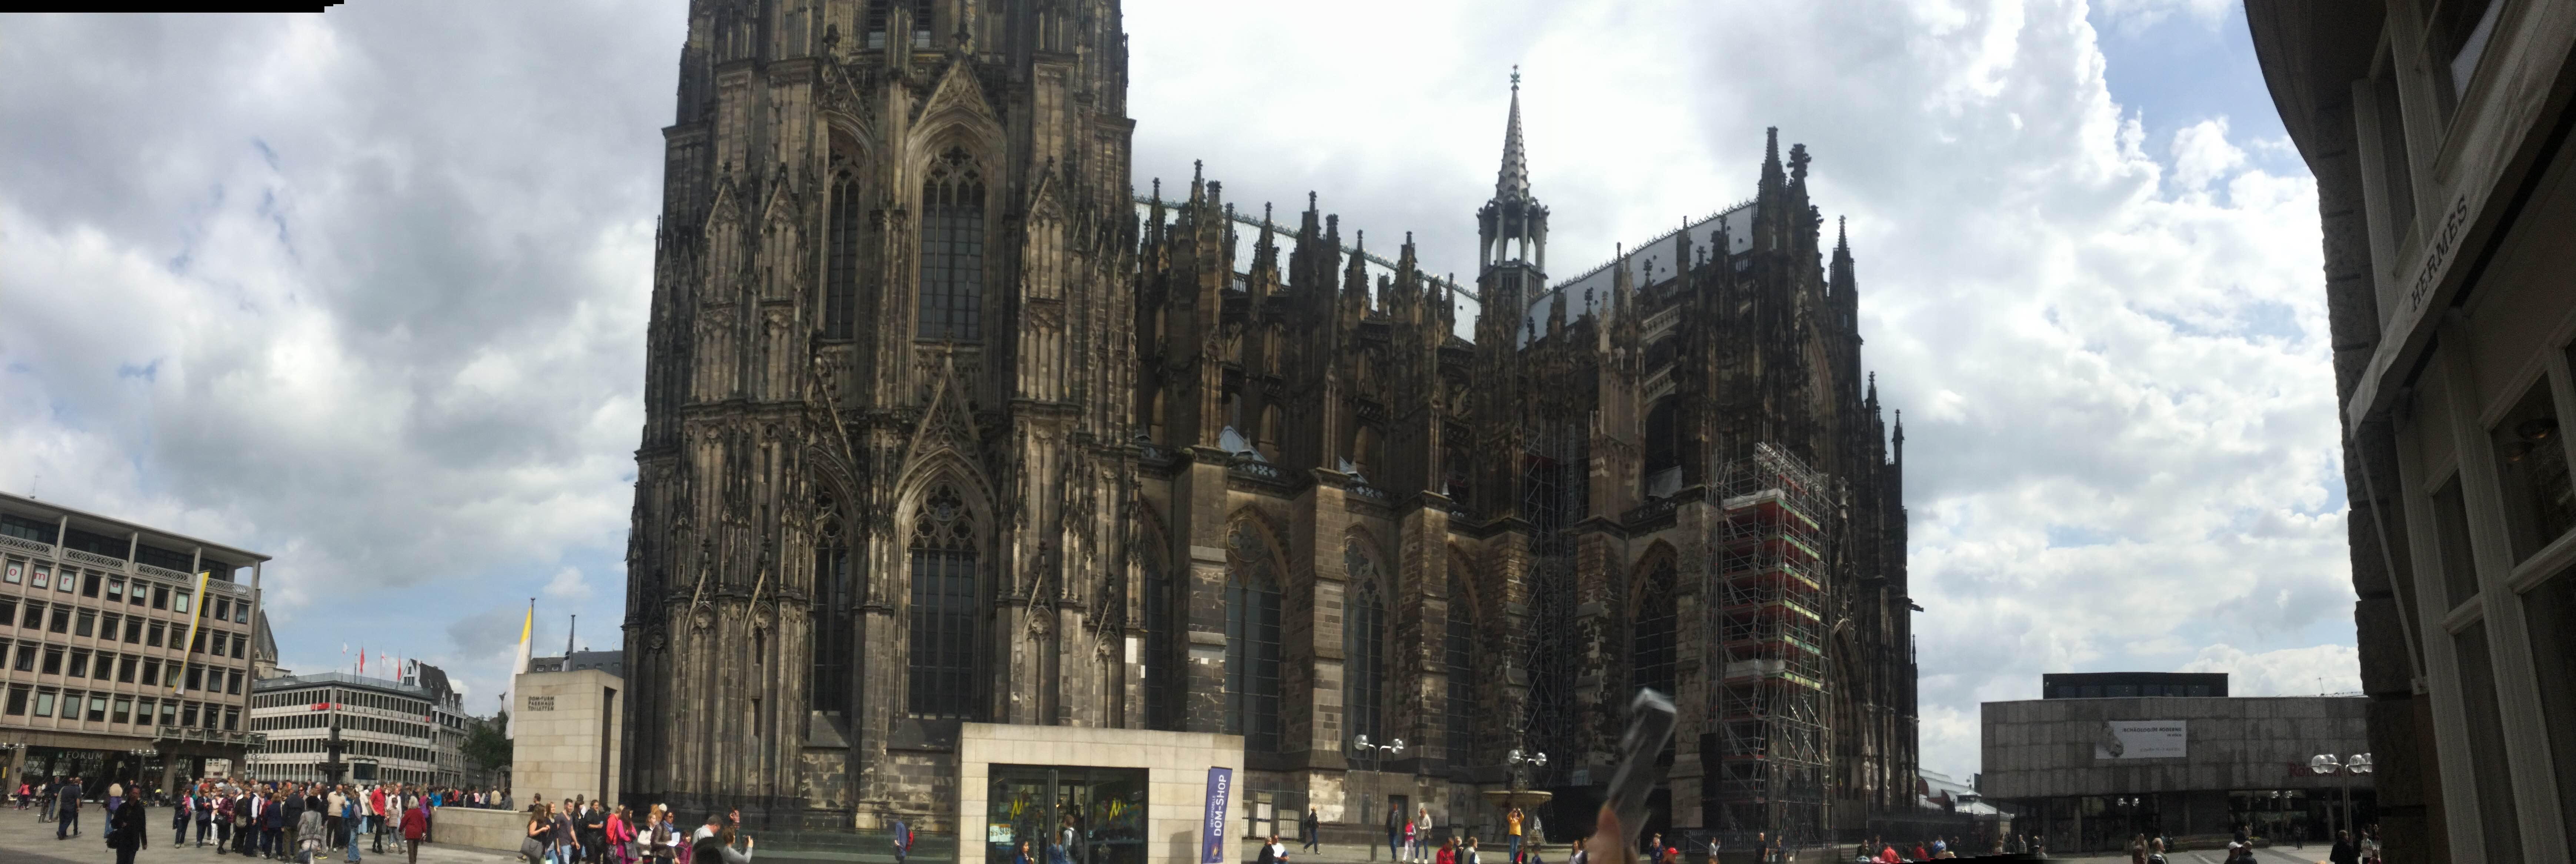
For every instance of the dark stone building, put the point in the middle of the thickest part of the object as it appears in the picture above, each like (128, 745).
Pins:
(939, 431)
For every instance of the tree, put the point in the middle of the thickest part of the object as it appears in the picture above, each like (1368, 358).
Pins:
(486, 747)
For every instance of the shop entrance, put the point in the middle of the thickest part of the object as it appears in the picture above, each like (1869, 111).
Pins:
(1066, 815)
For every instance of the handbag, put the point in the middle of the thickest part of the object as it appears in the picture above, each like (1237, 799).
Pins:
(532, 849)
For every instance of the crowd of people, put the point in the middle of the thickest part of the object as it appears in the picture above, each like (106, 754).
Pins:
(582, 831)
(277, 820)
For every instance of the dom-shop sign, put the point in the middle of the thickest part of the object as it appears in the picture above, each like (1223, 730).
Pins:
(1212, 847)
(2139, 739)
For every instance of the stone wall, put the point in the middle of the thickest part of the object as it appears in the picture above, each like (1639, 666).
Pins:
(1176, 765)
(479, 829)
(568, 724)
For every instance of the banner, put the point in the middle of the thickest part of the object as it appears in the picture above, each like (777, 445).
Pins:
(196, 613)
(2140, 739)
(1220, 785)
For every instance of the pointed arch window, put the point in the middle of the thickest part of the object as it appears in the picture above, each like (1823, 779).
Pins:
(942, 679)
(841, 261)
(952, 249)
(829, 636)
(1651, 644)
(1162, 648)
(1460, 648)
(1364, 646)
(1252, 642)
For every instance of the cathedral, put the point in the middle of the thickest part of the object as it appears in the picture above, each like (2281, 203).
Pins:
(947, 425)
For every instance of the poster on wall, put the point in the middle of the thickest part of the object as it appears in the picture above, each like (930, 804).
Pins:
(2139, 739)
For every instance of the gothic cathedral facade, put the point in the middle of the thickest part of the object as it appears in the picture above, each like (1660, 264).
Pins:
(944, 426)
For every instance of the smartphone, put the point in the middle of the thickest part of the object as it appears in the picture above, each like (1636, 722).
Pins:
(1650, 724)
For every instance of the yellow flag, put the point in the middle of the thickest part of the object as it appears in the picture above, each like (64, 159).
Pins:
(196, 613)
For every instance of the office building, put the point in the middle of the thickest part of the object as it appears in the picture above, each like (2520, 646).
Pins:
(339, 726)
(104, 678)
(2088, 772)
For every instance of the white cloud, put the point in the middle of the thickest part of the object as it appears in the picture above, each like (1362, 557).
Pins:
(2315, 669)
(2202, 153)
(568, 585)
(2137, 15)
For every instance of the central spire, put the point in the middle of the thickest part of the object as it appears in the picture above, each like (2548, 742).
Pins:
(1514, 180)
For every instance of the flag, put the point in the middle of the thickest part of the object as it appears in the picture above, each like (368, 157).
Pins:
(196, 613)
(519, 664)
(362, 661)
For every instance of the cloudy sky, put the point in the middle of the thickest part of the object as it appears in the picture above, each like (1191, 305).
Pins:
(366, 290)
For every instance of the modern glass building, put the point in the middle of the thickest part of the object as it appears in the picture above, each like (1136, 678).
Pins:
(115, 667)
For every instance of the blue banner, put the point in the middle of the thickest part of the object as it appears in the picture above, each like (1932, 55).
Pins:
(1220, 785)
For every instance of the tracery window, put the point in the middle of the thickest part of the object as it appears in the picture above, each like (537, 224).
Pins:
(830, 637)
(1461, 651)
(841, 262)
(952, 249)
(942, 681)
(1364, 646)
(1252, 642)
(1651, 646)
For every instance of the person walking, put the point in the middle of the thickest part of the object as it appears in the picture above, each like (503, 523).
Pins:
(334, 818)
(125, 832)
(593, 828)
(67, 800)
(310, 837)
(1312, 830)
(902, 840)
(415, 829)
(1394, 830)
(539, 845)
(181, 811)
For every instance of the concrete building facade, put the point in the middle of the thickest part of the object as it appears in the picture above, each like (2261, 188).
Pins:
(2087, 773)
(102, 679)
(347, 727)
(2438, 133)
(570, 714)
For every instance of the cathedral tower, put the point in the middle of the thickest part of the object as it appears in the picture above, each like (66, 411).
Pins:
(885, 448)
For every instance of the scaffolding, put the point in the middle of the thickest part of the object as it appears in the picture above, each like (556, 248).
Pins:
(1771, 586)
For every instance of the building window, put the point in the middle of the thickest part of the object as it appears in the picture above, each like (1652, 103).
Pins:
(88, 623)
(44, 577)
(158, 628)
(98, 707)
(90, 585)
(2531, 467)
(1163, 662)
(1460, 646)
(2460, 31)
(35, 616)
(160, 597)
(18, 699)
(26, 657)
(841, 261)
(125, 669)
(124, 708)
(44, 703)
(15, 572)
(2451, 527)
(2494, 780)
(1650, 642)
(62, 619)
(8, 612)
(26, 529)
(830, 639)
(152, 673)
(53, 661)
(116, 590)
(169, 713)
(2552, 607)
(1364, 646)
(1252, 642)
(942, 680)
(105, 668)
(179, 600)
(952, 249)
(188, 715)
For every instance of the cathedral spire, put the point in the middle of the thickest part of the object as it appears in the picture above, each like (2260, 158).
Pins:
(1513, 181)
(1772, 176)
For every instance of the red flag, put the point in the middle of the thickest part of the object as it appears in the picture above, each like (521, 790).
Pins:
(362, 660)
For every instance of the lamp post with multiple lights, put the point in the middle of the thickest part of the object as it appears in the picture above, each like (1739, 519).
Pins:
(2326, 763)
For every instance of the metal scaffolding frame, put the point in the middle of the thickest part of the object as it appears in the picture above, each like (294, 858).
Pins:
(1771, 588)
(1553, 470)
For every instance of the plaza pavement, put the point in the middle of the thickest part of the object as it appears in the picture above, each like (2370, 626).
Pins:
(24, 839)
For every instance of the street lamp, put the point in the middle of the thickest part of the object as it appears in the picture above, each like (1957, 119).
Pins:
(1376, 759)
(2326, 763)
(1520, 763)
